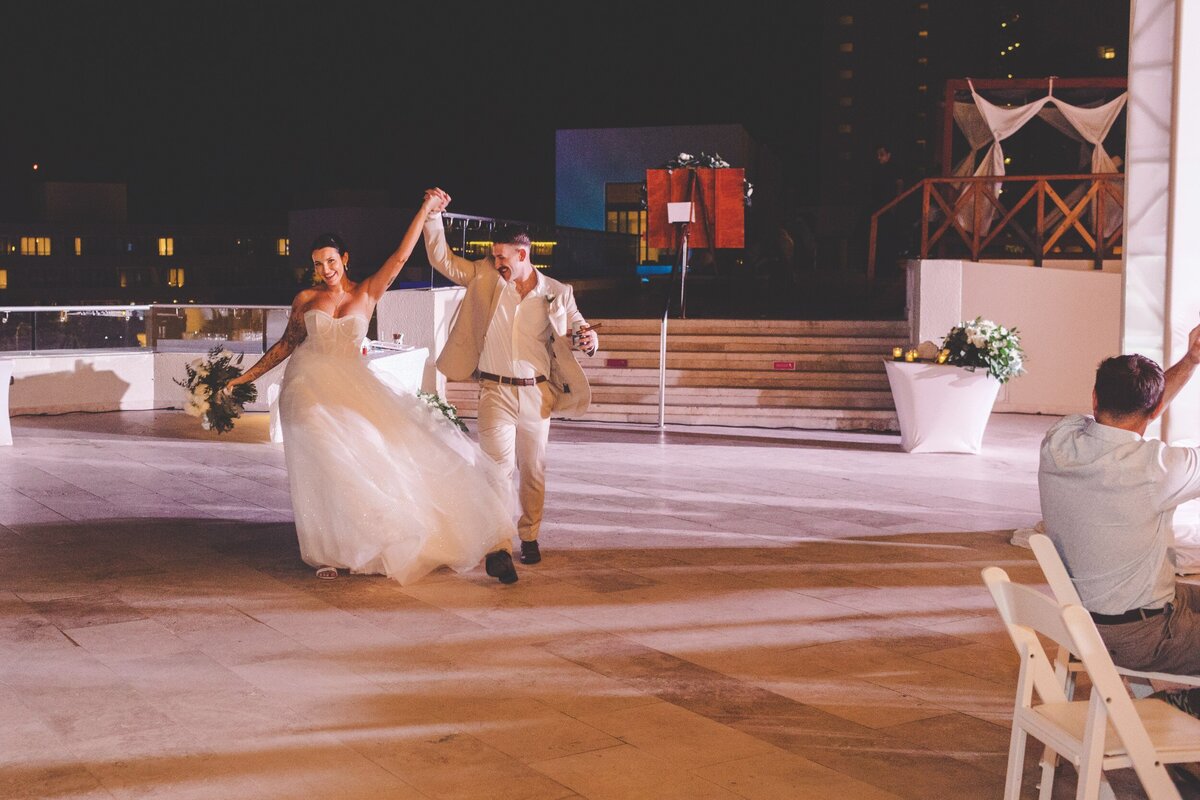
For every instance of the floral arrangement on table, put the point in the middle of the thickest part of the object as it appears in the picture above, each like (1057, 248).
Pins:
(447, 408)
(206, 377)
(982, 344)
(702, 161)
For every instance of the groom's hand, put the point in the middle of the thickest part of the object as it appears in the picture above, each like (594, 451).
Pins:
(441, 200)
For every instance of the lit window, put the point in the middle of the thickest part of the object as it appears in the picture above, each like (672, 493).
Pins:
(124, 279)
(166, 246)
(922, 88)
(846, 47)
(1106, 53)
(846, 74)
(35, 245)
(922, 60)
(846, 19)
(175, 277)
(923, 34)
(3, 279)
(283, 247)
(78, 246)
(923, 6)
(845, 102)
(921, 142)
(845, 128)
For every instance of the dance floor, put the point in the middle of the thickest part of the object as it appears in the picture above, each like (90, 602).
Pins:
(719, 614)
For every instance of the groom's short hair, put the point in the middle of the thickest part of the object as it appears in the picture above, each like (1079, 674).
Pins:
(512, 234)
(1128, 386)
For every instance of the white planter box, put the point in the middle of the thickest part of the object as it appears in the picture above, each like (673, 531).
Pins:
(942, 409)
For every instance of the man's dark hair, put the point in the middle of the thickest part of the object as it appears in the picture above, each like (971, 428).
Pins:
(1128, 386)
(512, 234)
(329, 240)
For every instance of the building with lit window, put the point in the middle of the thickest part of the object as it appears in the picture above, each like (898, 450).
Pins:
(77, 247)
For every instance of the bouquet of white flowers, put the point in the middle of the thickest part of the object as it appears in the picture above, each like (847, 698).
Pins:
(206, 377)
(447, 408)
(983, 343)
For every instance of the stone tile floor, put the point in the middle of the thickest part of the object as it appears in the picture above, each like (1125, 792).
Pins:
(720, 614)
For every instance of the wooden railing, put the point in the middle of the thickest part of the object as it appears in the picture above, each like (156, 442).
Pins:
(1018, 217)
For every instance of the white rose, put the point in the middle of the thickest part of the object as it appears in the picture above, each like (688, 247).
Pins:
(979, 340)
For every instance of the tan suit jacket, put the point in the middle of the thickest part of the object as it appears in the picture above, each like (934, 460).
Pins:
(459, 359)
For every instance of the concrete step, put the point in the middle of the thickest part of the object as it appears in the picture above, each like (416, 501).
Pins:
(751, 344)
(887, 329)
(811, 419)
(731, 398)
(737, 378)
(787, 361)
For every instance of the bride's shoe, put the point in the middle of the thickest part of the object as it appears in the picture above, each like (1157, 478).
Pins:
(327, 573)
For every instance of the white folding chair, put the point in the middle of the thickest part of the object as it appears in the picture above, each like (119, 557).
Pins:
(1109, 731)
(1064, 592)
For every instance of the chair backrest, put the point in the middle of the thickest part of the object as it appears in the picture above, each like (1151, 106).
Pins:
(1026, 613)
(1054, 569)
(1110, 703)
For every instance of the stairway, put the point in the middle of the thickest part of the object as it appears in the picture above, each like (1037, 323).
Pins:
(754, 373)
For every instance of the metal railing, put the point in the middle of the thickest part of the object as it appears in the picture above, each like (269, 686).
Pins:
(1019, 217)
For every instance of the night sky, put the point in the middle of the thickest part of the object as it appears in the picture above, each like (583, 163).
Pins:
(224, 111)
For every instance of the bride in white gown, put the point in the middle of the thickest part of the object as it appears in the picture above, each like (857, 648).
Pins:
(381, 483)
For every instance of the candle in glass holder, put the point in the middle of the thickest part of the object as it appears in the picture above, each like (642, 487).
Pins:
(942, 356)
(910, 355)
(897, 353)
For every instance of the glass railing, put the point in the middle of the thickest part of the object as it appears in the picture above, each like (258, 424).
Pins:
(28, 329)
(172, 329)
(200, 328)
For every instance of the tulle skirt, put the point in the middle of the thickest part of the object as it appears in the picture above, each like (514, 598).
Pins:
(381, 482)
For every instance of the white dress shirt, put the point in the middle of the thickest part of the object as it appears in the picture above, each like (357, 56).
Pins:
(1108, 500)
(517, 337)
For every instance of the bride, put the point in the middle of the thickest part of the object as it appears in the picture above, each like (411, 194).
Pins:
(381, 483)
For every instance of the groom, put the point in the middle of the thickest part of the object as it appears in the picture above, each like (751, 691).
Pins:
(513, 332)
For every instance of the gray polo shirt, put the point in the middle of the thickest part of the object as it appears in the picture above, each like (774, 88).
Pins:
(1108, 500)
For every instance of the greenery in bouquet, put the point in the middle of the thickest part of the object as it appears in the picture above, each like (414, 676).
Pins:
(447, 408)
(982, 344)
(206, 377)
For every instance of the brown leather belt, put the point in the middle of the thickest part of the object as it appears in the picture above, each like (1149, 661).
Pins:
(507, 381)
(1135, 615)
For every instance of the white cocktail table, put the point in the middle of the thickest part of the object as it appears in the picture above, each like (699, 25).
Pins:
(941, 408)
(402, 370)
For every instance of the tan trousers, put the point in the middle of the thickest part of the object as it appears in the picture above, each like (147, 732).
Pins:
(514, 423)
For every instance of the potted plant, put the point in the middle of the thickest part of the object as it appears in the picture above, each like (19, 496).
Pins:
(944, 407)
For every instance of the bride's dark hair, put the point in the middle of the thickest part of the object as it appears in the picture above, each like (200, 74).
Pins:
(330, 240)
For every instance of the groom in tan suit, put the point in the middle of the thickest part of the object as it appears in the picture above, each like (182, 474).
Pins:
(514, 333)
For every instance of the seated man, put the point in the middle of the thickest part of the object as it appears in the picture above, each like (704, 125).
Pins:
(1108, 498)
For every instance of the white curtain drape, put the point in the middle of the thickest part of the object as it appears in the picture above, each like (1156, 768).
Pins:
(982, 122)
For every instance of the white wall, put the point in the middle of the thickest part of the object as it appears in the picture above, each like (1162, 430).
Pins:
(1068, 321)
(56, 384)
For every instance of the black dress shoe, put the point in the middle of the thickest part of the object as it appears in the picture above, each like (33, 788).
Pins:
(500, 565)
(530, 554)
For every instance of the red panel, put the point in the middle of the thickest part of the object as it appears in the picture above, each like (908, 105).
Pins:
(720, 198)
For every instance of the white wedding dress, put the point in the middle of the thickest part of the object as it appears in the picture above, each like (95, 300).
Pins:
(381, 482)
